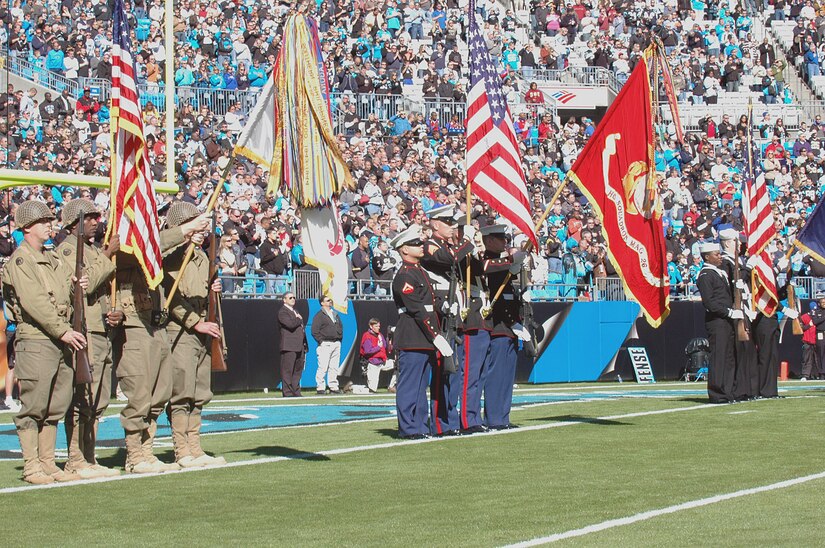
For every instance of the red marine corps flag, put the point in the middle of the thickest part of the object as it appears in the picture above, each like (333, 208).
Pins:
(616, 172)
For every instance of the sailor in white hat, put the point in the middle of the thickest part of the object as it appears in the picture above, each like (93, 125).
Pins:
(715, 290)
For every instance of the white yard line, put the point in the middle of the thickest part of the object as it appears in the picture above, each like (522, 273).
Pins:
(356, 449)
(610, 524)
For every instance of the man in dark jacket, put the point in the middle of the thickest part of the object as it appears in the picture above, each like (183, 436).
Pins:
(293, 347)
(714, 288)
(327, 331)
(273, 262)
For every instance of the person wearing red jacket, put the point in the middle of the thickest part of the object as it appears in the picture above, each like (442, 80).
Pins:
(811, 368)
(375, 349)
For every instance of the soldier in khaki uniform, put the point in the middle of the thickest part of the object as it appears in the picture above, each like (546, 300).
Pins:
(190, 337)
(91, 400)
(143, 370)
(38, 289)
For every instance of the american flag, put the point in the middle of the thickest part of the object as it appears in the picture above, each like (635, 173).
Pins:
(493, 164)
(756, 208)
(134, 211)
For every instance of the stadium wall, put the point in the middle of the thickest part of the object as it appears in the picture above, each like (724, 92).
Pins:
(583, 341)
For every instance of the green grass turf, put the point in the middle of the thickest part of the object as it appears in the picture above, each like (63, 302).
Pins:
(477, 491)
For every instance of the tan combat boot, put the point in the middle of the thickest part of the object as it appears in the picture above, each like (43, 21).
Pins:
(46, 439)
(32, 471)
(180, 421)
(148, 451)
(88, 442)
(193, 434)
(76, 462)
(135, 461)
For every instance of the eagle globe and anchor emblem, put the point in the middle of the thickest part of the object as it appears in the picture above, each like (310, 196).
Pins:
(639, 188)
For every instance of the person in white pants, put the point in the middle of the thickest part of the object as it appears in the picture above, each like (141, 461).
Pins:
(375, 349)
(327, 332)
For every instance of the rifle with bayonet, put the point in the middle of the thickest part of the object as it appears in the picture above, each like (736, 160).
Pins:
(450, 323)
(82, 365)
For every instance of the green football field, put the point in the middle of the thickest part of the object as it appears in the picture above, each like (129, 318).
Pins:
(596, 464)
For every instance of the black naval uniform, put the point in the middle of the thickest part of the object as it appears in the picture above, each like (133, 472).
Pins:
(501, 369)
(415, 331)
(440, 258)
(714, 288)
(746, 377)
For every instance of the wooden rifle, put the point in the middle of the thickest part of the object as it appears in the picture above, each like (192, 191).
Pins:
(83, 367)
(741, 330)
(213, 306)
(527, 319)
(796, 324)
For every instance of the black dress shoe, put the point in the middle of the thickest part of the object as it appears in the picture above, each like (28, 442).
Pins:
(336, 392)
(414, 436)
(474, 430)
(448, 433)
(503, 427)
(320, 393)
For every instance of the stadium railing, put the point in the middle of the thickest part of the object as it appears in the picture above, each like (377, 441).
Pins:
(580, 76)
(306, 284)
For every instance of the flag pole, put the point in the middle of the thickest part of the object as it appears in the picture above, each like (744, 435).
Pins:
(190, 250)
(485, 312)
(469, 262)
(169, 81)
(753, 185)
(113, 128)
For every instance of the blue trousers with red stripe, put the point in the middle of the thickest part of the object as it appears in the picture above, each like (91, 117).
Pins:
(498, 381)
(474, 356)
(444, 398)
(411, 396)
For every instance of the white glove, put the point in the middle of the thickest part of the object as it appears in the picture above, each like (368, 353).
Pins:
(527, 296)
(470, 232)
(791, 313)
(448, 308)
(443, 346)
(782, 264)
(735, 314)
(751, 314)
(740, 284)
(521, 332)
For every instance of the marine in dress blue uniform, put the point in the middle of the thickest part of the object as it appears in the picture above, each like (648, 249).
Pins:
(442, 257)
(500, 371)
(417, 335)
(474, 350)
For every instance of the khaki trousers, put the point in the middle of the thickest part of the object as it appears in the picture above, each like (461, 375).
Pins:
(191, 371)
(91, 401)
(329, 365)
(46, 382)
(145, 376)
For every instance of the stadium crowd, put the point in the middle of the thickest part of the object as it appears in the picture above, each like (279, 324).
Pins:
(407, 161)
